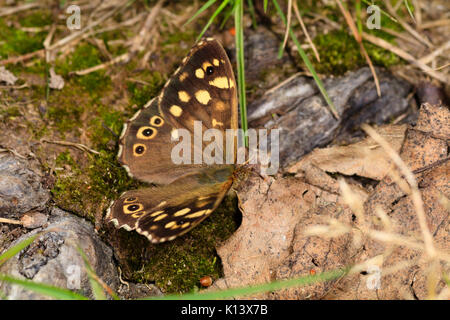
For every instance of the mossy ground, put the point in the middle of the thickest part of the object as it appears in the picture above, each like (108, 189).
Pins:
(91, 110)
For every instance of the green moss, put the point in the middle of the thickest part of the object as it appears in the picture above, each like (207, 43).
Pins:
(17, 42)
(140, 94)
(65, 107)
(9, 113)
(177, 266)
(85, 56)
(37, 18)
(83, 186)
(339, 52)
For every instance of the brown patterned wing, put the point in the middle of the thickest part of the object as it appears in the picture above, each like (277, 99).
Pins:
(166, 212)
(145, 148)
(202, 89)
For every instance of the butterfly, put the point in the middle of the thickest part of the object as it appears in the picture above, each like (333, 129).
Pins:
(202, 89)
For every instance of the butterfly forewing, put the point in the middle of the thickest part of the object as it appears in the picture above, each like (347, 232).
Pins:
(203, 89)
(146, 145)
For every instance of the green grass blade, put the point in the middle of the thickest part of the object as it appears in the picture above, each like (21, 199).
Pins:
(96, 284)
(266, 287)
(251, 9)
(238, 17)
(266, 2)
(213, 17)
(227, 15)
(97, 289)
(203, 8)
(307, 62)
(358, 16)
(17, 248)
(410, 11)
(45, 289)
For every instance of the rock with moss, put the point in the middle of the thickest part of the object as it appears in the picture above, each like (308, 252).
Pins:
(53, 258)
(20, 188)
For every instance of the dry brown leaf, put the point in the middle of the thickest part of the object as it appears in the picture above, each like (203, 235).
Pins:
(365, 158)
(271, 210)
(273, 242)
(6, 76)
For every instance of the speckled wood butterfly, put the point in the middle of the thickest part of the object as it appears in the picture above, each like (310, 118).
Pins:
(202, 89)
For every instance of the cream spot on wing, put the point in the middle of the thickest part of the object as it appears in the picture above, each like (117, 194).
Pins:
(182, 212)
(216, 62)
(174, 134)
(122, 134)
(171, 238)
(206, 65)
(216, 123)
(204, 197)
(202, 203)
(176, 110)
(201, 43)
(231, 83)
(220, 106)
(161, 204)
(149, 103)
(160, 217)
(135, 115)
(185, 225)
(126, 227)
(119, 154)
(170, 224)
(156, 213)
(198, 213)
(203, 96)
(199, 73)
(184, 96)
(167, 83)
(183, 76)
(220, 82)
(127, 169)
(210, 39)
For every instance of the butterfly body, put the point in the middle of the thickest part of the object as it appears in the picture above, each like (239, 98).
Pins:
(202, 89)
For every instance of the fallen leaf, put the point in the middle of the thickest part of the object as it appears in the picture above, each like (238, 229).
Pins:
(56, 81)
(6, 76)
(365, 158)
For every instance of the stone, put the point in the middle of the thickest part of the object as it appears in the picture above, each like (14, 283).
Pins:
(53, 258)
(20, 188)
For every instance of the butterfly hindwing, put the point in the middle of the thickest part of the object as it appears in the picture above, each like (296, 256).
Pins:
(163, 213)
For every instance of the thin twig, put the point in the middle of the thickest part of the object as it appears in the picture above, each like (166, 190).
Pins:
(439, 51)
(288, 24)
(358, 38)
(407, 27)
(79, 146)
(415, 194)
(305, 31)
(405, 55)
(12, 10)
(10, 221)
